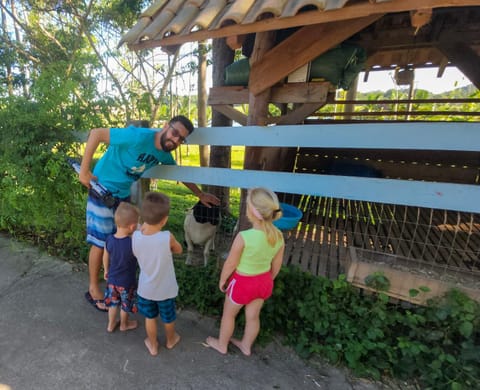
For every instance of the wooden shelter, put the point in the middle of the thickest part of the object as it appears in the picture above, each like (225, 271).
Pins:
(283, 38)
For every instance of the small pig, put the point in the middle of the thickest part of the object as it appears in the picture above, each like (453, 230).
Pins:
(200, 226)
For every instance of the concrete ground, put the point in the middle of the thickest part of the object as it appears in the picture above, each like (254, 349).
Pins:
(51, 338)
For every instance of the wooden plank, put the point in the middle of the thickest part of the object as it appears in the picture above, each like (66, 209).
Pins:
(401, 282)
(342, 235)
(391, 240)
(311, 92)
(324, 238)
(300, 241)
(349, 224)
(228, 95)
(414, 230)
(451, 136)
(300, 48)
(461, 197)
(399, 169)
(358, 224)
(292, 235)
(396, 230)
(406, 101)
(311, 156)
(463, 234)
(311, 245)
(470, 231)
(333, 255)
(465, 59)
(296, 116)
(231, 113)
(428, 235)
(375, 228)
(396, 113)
(302, 258)
(438, 250)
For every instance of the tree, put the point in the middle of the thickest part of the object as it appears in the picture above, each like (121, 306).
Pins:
(220, 155)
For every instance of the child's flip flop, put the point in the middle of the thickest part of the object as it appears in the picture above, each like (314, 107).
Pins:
(94, 302)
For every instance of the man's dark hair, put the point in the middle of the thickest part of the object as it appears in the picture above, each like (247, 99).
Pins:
(184, 121)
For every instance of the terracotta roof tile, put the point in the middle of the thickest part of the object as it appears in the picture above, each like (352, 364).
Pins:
(165, 18)
(173, 22)
(236, 12)
(209, 11)
(265, 9)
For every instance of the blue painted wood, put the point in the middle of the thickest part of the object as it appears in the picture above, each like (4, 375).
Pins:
(442, 196)
(423, 136)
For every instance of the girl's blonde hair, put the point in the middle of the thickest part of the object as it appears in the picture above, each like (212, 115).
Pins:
(263, 206)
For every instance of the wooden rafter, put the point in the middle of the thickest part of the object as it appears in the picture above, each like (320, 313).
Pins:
(298, 115)
(464, 58)
(231, 113)
(303, 46)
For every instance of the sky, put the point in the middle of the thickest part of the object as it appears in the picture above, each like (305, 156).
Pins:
(424, 79)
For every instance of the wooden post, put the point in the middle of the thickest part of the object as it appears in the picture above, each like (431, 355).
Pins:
(255, 157)
(220, 155)
(142, 186)
(202, 99)
(351, 95)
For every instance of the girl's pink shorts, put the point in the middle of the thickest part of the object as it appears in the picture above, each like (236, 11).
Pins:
(244, 289)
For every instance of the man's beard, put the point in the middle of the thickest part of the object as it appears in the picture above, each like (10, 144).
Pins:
(164, 145)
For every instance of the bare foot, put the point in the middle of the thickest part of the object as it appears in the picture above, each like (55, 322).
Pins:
(131, 324)
(176, 339)
(214, 343)
(153, 349)
(111, 328)
(239, 345)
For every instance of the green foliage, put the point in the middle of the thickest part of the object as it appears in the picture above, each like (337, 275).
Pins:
(378, 281)
(39, 196)
(199, 288)
(438, 344)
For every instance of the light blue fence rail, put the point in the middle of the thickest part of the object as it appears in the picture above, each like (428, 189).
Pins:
(402, 136)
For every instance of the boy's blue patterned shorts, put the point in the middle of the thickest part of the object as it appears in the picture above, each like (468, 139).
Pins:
(151, 309)
(120, 296)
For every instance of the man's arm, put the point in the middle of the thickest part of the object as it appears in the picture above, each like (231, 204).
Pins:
(95, 137)
(204, 197)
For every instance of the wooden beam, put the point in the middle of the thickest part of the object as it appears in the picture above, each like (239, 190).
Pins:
(315, 92)
(301, 47)
(258, 102)
(399, 113)
(228, 95)
(299, 114)
(464, 58)
(406, 101)
(235, 41)
(464, 136)
(231, 113)
(444, 196)
(357, 10)
(286, 93)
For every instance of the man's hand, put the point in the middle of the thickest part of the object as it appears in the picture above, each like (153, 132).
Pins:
(208, 200)
(85, 177)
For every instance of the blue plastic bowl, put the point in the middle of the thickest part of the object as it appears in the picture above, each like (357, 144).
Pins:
(290, 218)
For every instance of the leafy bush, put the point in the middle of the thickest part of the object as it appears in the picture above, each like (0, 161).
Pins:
(437, 345)
(40, 196)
